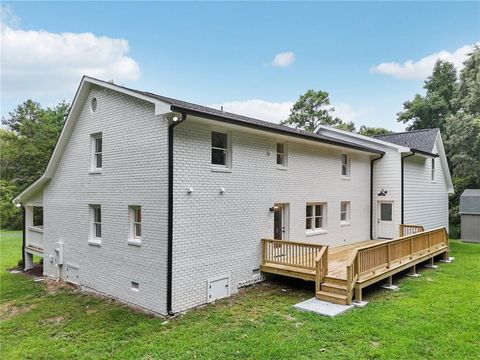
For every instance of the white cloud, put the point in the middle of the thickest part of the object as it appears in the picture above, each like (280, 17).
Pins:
(278, 111)
(284, 59)
(38, 62)
(347, 113)
(260, 109)
(422, 68)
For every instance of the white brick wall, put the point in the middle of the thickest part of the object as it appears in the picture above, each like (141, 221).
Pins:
(134, 173)
(216, 235)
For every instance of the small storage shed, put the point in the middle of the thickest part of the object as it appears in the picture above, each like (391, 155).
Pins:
(470, 215)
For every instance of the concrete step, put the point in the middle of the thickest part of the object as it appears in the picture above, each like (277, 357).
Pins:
(334, 288)
(331, 297)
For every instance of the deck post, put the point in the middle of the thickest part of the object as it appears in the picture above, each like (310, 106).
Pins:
(358, 294)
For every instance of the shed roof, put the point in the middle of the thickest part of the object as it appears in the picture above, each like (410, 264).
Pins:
(470, 202)
(423, 140)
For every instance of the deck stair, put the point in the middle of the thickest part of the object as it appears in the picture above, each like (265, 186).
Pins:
(341, 275)
(333, 290)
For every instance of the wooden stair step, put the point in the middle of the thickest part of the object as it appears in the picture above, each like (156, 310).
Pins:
(331, 297)
(334, 288)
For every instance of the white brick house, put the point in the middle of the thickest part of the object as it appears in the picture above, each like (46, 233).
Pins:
(162, 203)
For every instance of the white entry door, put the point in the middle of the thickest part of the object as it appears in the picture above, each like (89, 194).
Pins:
(385, 226)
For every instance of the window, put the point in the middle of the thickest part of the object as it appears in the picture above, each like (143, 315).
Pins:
(433, 169)
(136, 223)
(93, 104)
(97, 151)
(96, 215)
(345, 166)
(315, 217)
(220, 149)
(38, 216)
(281, 155)
(345, 212)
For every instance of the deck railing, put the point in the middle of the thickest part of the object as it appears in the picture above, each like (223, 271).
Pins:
(321, 267)
(370, 258)
(290, 253)
(406, 229)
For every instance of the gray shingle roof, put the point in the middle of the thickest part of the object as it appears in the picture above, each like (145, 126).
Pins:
(470, 202)
(200, 110)
(423, 140)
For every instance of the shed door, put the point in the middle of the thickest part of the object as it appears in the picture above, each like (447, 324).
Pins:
(217, 289)
(385, 226)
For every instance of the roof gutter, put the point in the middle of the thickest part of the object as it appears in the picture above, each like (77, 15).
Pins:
(269, 129)
(402, 182)
(371, 194)
(170, 212)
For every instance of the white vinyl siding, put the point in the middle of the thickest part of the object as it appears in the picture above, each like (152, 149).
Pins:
(426, 201)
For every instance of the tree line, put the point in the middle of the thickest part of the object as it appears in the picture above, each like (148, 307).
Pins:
(451, 103)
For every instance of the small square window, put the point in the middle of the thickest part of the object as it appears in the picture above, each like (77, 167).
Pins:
(315, 217)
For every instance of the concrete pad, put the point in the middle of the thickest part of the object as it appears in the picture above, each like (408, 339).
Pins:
(414, 275)
(429, 266)
(390, 287)
(360, 304)
(322, 307)
(450, 259)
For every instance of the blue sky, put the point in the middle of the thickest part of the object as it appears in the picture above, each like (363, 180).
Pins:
(222, 53)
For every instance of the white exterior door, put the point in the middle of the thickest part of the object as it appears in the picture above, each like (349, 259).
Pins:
(385, 226)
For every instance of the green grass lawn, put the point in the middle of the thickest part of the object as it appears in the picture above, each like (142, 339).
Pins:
(436, 316)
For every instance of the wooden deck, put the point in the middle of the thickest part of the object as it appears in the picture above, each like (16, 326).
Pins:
(342, 272)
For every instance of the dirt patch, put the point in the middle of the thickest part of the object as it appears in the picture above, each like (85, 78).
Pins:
(9, 309)
(53, 320)
(54, 286)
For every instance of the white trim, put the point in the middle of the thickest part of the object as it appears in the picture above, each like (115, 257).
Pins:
(363, 137)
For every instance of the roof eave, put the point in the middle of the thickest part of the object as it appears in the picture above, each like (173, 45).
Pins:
(228, 120)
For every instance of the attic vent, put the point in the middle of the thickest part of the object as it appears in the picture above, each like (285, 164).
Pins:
(94, 104)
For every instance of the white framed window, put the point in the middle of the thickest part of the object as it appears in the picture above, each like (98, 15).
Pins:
(282, 155)
(433, 170)
(315, 217)
(345, 166)
(97, 149)
(345, 212)
(96, 223)
(135, 224)
(221, 150)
